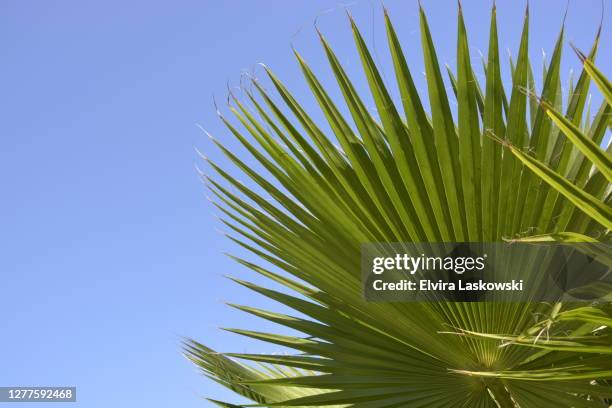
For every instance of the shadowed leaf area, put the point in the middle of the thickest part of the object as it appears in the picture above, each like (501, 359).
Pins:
(513, 163)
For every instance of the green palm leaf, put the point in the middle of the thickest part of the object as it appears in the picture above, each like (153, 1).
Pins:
(403, 174)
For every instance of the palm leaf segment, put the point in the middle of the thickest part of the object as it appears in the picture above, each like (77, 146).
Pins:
(406, 174)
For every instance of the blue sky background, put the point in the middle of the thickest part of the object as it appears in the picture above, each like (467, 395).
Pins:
(109, 250)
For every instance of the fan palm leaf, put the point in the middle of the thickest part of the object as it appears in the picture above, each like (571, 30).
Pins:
(505, 169)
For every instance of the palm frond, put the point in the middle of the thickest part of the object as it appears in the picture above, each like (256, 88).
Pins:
(507, 169)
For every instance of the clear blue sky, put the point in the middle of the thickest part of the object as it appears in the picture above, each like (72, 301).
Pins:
(109, 250)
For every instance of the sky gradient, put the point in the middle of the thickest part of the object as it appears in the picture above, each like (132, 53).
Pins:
(110, 252)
